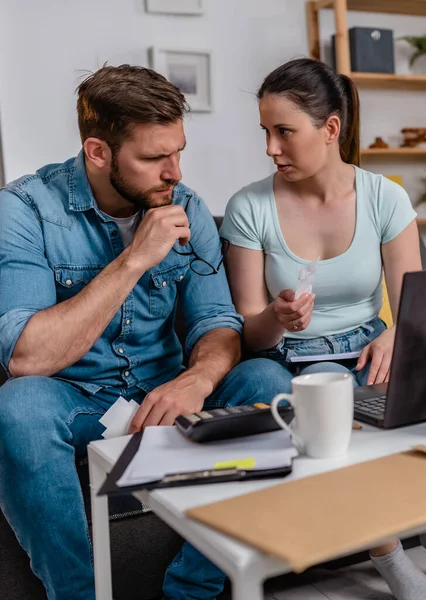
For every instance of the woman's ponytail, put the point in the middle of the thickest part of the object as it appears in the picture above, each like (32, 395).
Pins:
(349, 138)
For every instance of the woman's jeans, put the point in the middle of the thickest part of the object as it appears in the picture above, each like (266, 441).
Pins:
(191, 575)
(351, 341)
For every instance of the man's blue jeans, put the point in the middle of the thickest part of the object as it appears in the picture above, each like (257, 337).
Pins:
(44, 424)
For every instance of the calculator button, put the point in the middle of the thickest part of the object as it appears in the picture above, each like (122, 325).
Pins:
(204, 415)
(192, 418)
(219, 411)
(234, 410)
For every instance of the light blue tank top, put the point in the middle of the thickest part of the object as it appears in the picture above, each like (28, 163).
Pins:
(348, 287)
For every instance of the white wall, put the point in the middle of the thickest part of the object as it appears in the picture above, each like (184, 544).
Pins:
(46, 45)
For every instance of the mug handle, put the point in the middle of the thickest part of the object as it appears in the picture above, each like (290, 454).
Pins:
(298, 442)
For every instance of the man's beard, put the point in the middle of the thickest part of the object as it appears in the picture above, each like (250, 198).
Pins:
(144, 200)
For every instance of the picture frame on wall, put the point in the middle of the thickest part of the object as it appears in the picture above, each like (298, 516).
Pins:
(175, 7)
(190, 71)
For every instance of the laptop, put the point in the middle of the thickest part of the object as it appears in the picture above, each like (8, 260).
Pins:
(402, 401)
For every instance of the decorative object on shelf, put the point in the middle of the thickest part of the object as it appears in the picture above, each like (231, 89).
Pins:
(190, 71)
(371, 50)
(175, 7)
(379, 143)
(413, 136)
(419, 45)
(396, 179)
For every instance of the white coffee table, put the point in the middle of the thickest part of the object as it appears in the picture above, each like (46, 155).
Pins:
(246, 567)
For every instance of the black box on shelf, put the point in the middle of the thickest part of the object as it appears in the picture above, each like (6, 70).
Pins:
(371, 50)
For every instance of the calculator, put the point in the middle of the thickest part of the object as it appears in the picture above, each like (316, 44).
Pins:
(231, 422)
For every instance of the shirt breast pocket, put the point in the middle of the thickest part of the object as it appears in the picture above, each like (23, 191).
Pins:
(163, 288)
(71, 279)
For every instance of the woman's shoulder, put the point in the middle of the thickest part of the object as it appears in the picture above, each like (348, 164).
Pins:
(253, 198)
(375, 185)
(255, 191)
(386, 202)
(247, 214)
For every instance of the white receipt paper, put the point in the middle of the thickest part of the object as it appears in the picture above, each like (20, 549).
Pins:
(165, 451)
(306, 279)
(117, 419)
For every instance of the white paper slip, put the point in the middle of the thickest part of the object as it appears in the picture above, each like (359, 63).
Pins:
(306, 278)
(117, 419)
(165, 451)
(322, 357)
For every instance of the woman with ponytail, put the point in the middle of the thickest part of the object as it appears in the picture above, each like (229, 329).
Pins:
(319, 207)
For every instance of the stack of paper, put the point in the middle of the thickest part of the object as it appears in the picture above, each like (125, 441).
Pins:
(164, 451)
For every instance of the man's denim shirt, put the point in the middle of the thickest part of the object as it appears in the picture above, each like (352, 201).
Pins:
(54, 240)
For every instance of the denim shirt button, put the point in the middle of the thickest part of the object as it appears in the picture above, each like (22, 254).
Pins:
(164, 283)
(126, 373)
(180, 278)
(68, 282)
(127, 321)
(114, 232)
(121, 351)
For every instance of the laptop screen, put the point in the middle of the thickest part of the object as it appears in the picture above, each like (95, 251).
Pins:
(406, 399)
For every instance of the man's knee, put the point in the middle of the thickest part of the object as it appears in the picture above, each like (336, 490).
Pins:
(26, 404)
(264, 377)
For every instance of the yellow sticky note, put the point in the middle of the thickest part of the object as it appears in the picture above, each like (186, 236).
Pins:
(241, 463)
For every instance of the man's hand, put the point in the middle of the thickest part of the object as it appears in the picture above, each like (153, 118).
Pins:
(159, 229)
(294, 315)
(183, 395)
(380, 354)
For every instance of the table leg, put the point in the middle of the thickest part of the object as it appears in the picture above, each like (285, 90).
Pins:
(100, 531)
(245, 587)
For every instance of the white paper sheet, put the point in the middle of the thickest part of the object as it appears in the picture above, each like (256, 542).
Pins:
(328, 357)
(165, 451)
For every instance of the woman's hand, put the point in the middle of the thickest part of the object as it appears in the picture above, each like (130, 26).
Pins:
(294, 315)
(379, 351)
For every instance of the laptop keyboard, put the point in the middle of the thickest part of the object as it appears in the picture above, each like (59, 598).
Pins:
(373, 406)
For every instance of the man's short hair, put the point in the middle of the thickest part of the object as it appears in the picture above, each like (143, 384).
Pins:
(114, 99)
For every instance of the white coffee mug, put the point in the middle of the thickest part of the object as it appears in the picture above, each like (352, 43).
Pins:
(324, 408)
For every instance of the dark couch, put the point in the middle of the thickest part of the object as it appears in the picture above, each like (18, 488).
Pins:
(142, 545)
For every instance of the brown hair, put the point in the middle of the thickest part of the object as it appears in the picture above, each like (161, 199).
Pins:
(320, 92)
(114, 99)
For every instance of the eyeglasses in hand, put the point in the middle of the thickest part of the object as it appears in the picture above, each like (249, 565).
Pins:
(199, 265)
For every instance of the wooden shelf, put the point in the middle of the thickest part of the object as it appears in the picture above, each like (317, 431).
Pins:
(389, 81)
(398, 7)
(394, 152)
(421, 221)
(343, 60)
(393, 7)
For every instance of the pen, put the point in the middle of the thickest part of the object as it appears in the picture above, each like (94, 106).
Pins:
(205, 474)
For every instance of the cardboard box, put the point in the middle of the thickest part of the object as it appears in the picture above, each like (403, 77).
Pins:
(315, 519)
